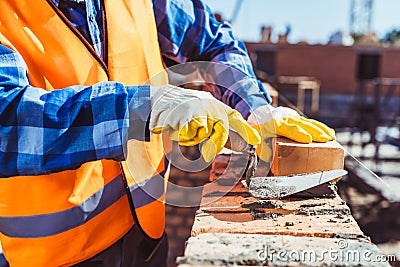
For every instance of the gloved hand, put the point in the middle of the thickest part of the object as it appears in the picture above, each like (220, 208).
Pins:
(195, 116)
(282, 121)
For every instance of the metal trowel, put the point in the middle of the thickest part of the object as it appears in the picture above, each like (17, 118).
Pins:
(238, 144)
(283, 186)
(276, 186)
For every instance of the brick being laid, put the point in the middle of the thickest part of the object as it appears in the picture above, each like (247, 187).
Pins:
(289, 158)
(294, 158)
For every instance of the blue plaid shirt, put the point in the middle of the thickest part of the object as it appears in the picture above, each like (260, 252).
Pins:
(44, 132)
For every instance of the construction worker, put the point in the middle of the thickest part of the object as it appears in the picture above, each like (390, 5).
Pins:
(75, 84)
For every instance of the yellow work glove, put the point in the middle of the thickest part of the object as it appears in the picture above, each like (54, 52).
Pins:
(193, 117)
(283, 121)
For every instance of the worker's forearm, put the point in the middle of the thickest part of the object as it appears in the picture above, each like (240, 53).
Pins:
(44, 132)
(232, 85)
(234, 81)
(198, 36)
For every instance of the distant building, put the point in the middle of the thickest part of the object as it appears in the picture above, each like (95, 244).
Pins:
(340, 38)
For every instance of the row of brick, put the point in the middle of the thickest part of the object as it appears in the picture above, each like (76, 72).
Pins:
(232, 227)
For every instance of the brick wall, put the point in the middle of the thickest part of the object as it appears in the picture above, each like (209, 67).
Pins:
(232, 228)
(335, 66)
(179, 220)
(390, 63)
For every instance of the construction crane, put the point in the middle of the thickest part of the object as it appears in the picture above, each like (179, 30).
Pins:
(360, 17)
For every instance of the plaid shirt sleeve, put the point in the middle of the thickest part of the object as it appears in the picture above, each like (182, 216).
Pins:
(188, 31)
(44, 132)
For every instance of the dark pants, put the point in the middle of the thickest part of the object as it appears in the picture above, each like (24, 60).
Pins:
(3, 261)
(130, 251)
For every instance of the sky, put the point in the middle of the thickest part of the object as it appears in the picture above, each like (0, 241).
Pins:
(310, 20)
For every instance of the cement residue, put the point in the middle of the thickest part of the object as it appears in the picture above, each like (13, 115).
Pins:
(352, 236)
(310, 205)
(340, 216)
(266, 204)
(261, 215)
(269, 191)
(313, 212)
(263, 188)
(200, 211)
(333, 187)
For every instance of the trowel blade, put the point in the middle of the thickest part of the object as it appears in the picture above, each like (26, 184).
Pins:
(282, 186)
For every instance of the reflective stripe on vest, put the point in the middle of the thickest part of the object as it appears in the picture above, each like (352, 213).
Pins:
(64, 218)
(51, 224)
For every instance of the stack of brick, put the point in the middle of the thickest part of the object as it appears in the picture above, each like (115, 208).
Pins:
(232, 228)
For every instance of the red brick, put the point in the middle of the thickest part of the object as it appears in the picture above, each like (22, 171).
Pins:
(230, 172)
(220, 161)
(294, 158)
(311, 217)
(303, 225)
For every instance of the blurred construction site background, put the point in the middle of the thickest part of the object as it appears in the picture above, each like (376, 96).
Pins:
(337, 61)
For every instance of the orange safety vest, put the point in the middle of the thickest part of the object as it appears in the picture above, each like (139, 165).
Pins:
(64, 218)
